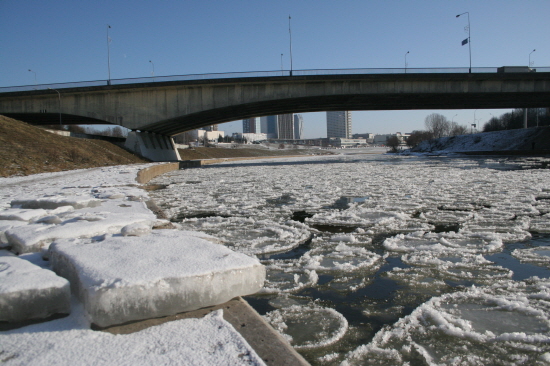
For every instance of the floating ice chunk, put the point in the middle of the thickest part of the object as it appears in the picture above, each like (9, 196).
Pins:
(22, 214)
(420, 241)
(539, 255)
(446, 217)
(430, 269)
(122, 279)
(540, 224)
(308, 326)
(356, 215)
(288, 278)
(206, 341)
(53, 202)
(508, 230)
(30, 292)
(341, 257)
(506, 321)
(251, 236)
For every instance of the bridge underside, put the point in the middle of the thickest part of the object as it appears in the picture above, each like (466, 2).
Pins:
(48, 119)
(351, 102)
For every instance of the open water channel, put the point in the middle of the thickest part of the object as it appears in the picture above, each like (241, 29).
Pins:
(387, 260)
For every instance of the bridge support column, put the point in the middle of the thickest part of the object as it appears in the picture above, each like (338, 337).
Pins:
(152, 146)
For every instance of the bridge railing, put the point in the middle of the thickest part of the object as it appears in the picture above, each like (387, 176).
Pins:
(253, 74)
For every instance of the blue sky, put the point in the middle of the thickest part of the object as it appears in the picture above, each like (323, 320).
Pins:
(66, 40)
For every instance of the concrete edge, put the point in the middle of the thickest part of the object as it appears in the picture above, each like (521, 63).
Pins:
(146, 174)
(273, 349)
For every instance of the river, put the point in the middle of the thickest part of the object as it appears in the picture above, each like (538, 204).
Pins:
(385, 259)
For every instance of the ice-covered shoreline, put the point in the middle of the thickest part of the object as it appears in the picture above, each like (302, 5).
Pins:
(101, 232)
(529, 140)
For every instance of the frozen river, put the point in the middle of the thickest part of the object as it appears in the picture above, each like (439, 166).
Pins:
(387, 260)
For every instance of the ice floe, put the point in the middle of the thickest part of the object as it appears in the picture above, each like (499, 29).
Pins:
(308, 326)
(507, 322)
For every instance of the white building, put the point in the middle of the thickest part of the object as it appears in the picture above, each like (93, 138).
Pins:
(340, 142)
(250, 137)
(210, 136)
(339, 124)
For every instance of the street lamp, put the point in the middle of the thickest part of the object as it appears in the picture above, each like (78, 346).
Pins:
(453, 119)
(152, 72)
(34, 77)
(467, 40)
(282, 64)
(59, 94)
(406, 61)
(290, 34)
(530, 58)
(108, 55)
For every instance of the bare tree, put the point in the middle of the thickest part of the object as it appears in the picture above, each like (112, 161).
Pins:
(417, 137)
(456, 129)
(438, 125)
(393, 143)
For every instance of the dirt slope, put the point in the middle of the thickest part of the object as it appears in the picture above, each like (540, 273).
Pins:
(25, 150)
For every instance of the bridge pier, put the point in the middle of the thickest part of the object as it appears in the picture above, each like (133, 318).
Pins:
(152, 146)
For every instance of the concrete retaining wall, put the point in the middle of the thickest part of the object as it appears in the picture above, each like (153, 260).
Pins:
(145, 175)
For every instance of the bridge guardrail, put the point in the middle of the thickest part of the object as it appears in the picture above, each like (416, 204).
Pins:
(251, 74)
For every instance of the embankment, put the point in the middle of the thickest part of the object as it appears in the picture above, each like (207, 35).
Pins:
(530, 141)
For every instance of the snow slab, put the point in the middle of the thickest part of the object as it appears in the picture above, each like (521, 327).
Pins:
(121, 279)
(206, 341)
(111, 217)
(30, 292)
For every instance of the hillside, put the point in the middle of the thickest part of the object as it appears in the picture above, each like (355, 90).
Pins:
(25, 150)
(520, 141)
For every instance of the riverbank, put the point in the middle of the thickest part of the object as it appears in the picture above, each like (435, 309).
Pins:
(528, 142)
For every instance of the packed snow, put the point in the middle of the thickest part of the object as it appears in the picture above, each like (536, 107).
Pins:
(91, 232)
(430, 260)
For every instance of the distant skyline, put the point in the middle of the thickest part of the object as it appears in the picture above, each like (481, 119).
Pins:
(66, 41)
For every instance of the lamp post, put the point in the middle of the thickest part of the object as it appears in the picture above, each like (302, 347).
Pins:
(152, 72)
(282, 64)
(530, 57)
(468, 40)
(290, 35)
(474, 125)
(59, 94)
(453, 119)
(406, 61)
(108, 55)
(34, 77)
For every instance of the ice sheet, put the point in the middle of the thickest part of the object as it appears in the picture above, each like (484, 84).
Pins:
(30, 292)
(207, 341)
(120, 279)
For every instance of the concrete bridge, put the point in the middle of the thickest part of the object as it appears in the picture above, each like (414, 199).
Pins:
(158, 108)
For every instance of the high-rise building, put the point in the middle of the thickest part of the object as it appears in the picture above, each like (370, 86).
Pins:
(298, 127)
(251, 125)
(211, 128)
(339, 124)
(268, 125)
(285, 126)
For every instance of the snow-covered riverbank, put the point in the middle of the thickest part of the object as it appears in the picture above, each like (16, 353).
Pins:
(530, 139)
(100, 237)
